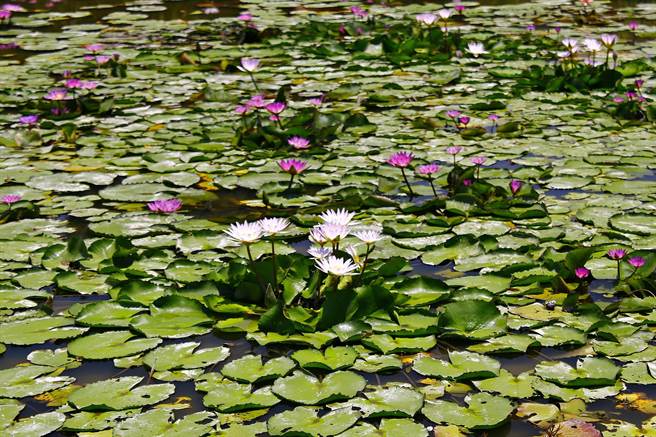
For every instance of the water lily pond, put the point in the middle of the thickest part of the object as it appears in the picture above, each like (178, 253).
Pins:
(327, 218)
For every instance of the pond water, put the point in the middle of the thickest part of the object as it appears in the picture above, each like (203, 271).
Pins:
(96, 289)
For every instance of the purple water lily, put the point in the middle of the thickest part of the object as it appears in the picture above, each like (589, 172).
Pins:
(402, 160)
(29, 120)
(515, 186)
(166, 206)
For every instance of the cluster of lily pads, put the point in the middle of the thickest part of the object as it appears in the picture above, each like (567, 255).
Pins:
(328, 219)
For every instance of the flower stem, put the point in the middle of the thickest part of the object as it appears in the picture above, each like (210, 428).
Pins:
(291, 181)
(432, 186)
(364, 261)
(618, 271)
(257, 275)
(254, 83)
(275, 268)
(405, 178)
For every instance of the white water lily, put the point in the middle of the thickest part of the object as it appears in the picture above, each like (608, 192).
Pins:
(334, 232)
(476, 48)
(337, 216)
(426, 18)
(317, 237)
(570, 43)
(369, 236)
(592, 44)
(319, 252)
(444, 13)
(336, 266)
(246, 232)
(608, 40)
(249, 64)
(353, 253)
(273, 226)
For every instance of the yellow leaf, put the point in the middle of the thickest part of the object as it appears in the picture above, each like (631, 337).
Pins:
(240, 172)
(637, 401)
(57, 398)
(80, 168)
(207, 186)
(156, 127)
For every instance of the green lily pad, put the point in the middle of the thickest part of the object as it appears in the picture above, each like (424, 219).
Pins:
(463, 365)
(305, 422)
(184, 356)
(509, 385)
(306, 389)
(112, 344)
(332, 358)
(589, 372)
(249, 369)
(119, 394)
(483, 411)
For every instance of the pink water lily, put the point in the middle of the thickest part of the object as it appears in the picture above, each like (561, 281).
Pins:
(400, 159)
(515, 186)
(94, 48)
(11, 7)
(633, 25)
(428, 169)
(166, 206)
(11, 198)
(293, 166)
(316, 101)
(464, 120)
(299, 143)
(478, 160)
(637, 261)
(358, 12)
(245, 16)
(276, 108)
(616, 254)
(467, 182)
(581, 272)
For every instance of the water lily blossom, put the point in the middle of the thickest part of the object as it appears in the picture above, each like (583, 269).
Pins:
(637, 261)
(298, 143)
(273, 226)
(616, 254)
(581, 272)
(426, 18)
(249, 64)
(515, 186)
(402, 160)
(334, 232)
(245, 233)
(319, 252)
(11, 198)
(293, 167)
(29, 120)
(57, 94)
(166, 206)
(428, 170)
(444, 14)
(369, 236)
(608, 40)
(476, 49)
(335, 266)
(337, 216)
